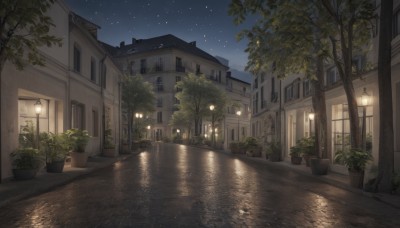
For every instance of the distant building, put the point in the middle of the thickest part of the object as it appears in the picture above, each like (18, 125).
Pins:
(164, 61)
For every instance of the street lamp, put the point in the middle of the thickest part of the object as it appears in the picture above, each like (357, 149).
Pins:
(148, 129)
(38, 110)
(365, 101)
(212, 107)
(238, 113)
(311, 117)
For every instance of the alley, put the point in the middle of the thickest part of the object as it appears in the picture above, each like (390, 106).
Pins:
(178, 186)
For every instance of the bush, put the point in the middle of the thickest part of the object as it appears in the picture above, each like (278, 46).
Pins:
(354, 159)
(77, 139)
(177, 139)
(108, 143)
(196, 140)
(26, 158)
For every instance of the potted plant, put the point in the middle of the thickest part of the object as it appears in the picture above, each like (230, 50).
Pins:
(77, 140)
(109, 146)
(307, 148)
(355, 160)
(55, 148)
(253, 149)
(273, 151)
(26, 162)
(295, 155)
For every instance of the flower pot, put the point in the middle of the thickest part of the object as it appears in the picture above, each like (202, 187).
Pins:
(24, 174)
(109, 152)
(319, 166)
(78, 160)
(296, 160)
(307, 159)
(356, 178)
(55, 167)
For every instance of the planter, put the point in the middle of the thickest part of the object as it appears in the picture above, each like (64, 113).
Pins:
(356, 178)
(55, 167)
(109, 152)
(254, 152)
(24, 174)
(296, 160)
(78, 160)
(319, 166)
(307, 159)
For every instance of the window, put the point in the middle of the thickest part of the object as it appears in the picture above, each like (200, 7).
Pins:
(159, 84)
(179, 65)
(233, 134)
(159, 102)
(273, 84)
(93, 70)
(143, 66)
(198, 71)
(104, 77)
(292, 91)
(77, 115)
(95, 123)
(263, 102)
(219, 76)
(159, 117)
(77, 59)
(332, 76)
(178, 78)
(262, 77)
(159, 65)
(132, 68)
(358, 63)
(306, 88)
(255, 83)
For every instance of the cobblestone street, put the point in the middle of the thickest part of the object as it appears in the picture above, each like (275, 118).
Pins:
(178, 186)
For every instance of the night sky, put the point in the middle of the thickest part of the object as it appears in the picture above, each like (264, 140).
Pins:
(204, 21)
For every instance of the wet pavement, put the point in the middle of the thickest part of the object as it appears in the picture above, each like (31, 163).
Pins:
(178, 186)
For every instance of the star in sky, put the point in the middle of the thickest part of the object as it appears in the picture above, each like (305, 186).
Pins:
(204, 21)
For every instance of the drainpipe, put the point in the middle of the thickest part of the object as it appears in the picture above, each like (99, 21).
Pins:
(103, 124)
(119, 114)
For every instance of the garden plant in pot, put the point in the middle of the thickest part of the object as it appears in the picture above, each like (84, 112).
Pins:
(109, 146)
(273, 151)
(295, 155)
(307, 148)
(253, 149)
(55, 148)
(77, 140)
(355, 160)
(26, 162)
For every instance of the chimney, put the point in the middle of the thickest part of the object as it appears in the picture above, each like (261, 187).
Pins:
(133, 40)
(193, 43)
(122, 44)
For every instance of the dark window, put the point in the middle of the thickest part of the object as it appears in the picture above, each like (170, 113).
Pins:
(159, 117)
(77, 59)
(179, 65)
(104, 77)
(332, 76)
(198, 71)
(396, 23)
(219, 76)
(255, 83)
(143, 66)
(132, 68)
(292, 91)
(306, 88)
(273, 84)
(159, 102)
(93, 70)
(159, 84)
(159, 65)
(77, 115)
(95, 123)
(262, 77)
(263, 102)
(233, 134)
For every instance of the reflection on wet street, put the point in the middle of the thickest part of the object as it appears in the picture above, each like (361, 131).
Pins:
(175, 185)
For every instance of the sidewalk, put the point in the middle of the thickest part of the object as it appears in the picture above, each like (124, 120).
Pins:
(12, 190)
(332, 178)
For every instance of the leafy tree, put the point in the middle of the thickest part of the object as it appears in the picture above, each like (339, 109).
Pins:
(336, 30)
(386, 141)
(197, 93)
(181, 119)
(24, 27)
(137, 96)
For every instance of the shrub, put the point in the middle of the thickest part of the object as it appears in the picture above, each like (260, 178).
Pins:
(26, 158)
(354, 159)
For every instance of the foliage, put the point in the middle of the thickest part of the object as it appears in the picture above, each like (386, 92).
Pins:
(251, 142)
(77, 139)
(177, 138)
(273, 147)
(137, 94)
(306, 145)
(196, 140)
(26, 138)
(54, 146)
(108, 140)
(354, 159)
(24, 28)
(26, 158)
(295, 151)
(197, 93)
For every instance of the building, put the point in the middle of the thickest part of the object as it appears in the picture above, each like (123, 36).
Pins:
(281, 107)
(164, 61)
(78, 88)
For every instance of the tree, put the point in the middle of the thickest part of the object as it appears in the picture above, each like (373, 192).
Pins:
(181, 119)
(137, 96)
(340, 29)
(24, 27)
(386, 141)
(197, 93)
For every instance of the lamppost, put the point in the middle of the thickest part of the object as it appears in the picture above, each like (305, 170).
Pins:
(38, 110)
(311, 117)
(238, 113)
(365, 101)
(148, 130)
(212, 107)
(138, 116)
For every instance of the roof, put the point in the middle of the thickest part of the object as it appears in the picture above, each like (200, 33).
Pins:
(237, 79)
(157, 43)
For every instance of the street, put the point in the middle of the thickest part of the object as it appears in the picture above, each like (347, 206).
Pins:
(178, 186)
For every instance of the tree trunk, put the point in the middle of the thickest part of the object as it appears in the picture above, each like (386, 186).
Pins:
(383, 181)
(196, 126)
(355, 136)
(2, 63)
(130, 124)
(319, 106)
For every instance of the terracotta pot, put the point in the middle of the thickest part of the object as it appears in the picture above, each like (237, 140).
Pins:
(55, 167)
(356, 178)
(24, 174)
(109, 152)
(296, 160)
(78, 160)
(307, 159)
